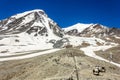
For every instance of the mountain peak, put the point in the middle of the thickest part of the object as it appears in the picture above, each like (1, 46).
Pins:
(35, 10)
(28, 12)
(79, 27)
(81, 24)
(34, 22)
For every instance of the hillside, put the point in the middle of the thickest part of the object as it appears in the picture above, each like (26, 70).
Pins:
(57, 66)
(112, 54)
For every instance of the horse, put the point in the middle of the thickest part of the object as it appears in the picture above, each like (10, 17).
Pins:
(96, 71)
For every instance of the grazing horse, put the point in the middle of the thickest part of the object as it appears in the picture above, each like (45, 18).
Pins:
(96, 71)
(101, 69)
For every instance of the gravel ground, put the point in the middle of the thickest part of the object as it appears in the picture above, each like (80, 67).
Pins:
(59, 65)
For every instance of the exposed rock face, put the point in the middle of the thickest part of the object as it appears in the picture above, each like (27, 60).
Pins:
(93, 30)
(35, 21)
(100, 31)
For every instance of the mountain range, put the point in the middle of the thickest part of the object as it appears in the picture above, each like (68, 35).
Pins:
(33, 30)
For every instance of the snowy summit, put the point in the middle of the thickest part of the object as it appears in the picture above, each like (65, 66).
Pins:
(79, 27)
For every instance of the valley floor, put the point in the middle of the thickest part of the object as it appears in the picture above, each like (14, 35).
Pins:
(59, 65)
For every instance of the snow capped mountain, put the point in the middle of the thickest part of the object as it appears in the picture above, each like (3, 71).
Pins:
(96, 30)
(79, 27)
(100, 31)
(30, 30)
(76, 29)
(34, 30)
(91, 30)
(35, 21)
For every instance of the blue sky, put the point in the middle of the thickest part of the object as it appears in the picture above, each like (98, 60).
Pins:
(68, 12)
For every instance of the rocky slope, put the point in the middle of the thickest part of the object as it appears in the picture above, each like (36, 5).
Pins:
(91, 30)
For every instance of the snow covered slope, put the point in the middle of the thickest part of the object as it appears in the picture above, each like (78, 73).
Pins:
(77, 28)
(32, 22)
(91, 30)
(34, 30)
(30, 30)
